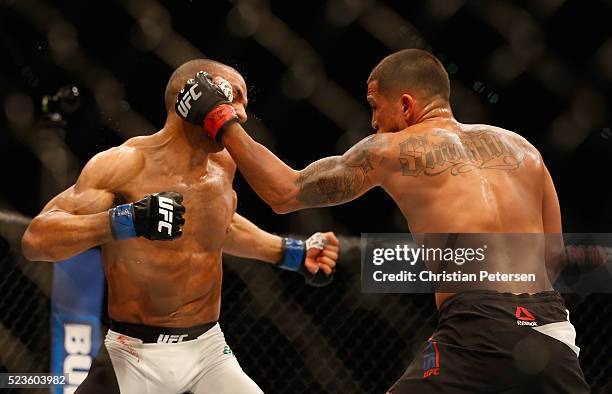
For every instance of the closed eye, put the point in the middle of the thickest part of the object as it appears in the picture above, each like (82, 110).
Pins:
(371, 104)
(239, 97)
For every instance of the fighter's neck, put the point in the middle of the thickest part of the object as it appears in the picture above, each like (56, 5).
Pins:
(186, 145)
(435, 111)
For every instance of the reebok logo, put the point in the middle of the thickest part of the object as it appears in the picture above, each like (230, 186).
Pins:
(163, 338)
(185, 104)
(524, 317)
(165, 208)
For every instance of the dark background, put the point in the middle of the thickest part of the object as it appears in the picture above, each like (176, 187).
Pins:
(559, 99)
(540, 68)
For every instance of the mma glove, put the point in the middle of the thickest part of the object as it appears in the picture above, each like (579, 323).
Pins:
(158, 217)
(205, 103)
(294, 256)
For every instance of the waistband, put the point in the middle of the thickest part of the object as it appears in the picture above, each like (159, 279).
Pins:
(480, 296)
(152, 334)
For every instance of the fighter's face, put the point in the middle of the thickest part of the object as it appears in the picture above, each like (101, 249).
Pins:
(239, 95)
(239, 90)
(386, 114)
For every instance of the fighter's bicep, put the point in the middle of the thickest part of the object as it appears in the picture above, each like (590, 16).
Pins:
(80, 202)
(339, 179)
(94, 190)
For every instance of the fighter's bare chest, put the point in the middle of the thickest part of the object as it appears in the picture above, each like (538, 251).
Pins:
(208, 196)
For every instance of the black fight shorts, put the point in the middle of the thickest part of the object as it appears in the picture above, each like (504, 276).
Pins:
(490, 342)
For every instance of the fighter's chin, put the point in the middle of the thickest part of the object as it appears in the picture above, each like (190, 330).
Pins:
(212, 146)
(217, 147)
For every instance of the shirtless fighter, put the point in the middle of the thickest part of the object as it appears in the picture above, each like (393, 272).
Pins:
(446, 177)
(163, 209)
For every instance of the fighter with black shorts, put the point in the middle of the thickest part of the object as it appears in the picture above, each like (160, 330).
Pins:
(446, 177)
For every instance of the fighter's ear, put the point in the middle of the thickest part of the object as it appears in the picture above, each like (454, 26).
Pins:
(407, 103)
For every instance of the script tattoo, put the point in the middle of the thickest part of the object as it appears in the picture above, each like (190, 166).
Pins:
(336, 179)
(470, 151)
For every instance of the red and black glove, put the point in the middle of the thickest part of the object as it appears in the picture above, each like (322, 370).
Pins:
(204, 103)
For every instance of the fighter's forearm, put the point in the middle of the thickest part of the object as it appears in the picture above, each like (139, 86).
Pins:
(57, 235)
(329, 181)
(247, 240)
(272, 180)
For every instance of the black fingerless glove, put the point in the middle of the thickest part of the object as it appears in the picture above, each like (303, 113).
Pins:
(202, 102)
(157, 217)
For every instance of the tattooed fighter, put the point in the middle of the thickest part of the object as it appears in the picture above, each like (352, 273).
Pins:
(163, 209)
(446, 177)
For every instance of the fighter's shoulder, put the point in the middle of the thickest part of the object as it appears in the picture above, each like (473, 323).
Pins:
(379, 144)
(113, 167)
(127, 155)
(514, 136)
(519, 142)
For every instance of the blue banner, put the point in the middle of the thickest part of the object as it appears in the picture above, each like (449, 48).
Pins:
(78, 290)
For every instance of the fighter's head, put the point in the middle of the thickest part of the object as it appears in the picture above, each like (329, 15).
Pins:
(402, 86)
(215, 69)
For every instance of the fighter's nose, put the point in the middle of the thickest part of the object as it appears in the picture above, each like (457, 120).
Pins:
(242, 116)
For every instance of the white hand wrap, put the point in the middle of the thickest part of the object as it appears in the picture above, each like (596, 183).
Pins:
(316, 241)
(226, 88)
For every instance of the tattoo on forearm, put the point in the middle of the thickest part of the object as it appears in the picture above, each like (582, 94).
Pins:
(337, 179)
(330, 182)
(419, 155)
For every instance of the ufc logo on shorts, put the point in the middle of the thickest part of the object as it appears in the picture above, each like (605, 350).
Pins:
(165, 208)
(163, 338)
(184, 105)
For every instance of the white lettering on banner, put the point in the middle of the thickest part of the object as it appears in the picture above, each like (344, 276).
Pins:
(78, 346)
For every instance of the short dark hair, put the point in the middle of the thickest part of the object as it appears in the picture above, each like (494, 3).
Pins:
(412, 69)
(183, 73)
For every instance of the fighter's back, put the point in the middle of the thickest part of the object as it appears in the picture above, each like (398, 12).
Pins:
(451, 177)
(474, 179)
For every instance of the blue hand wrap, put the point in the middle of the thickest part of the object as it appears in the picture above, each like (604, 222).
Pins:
(122, 221)
(294, 252)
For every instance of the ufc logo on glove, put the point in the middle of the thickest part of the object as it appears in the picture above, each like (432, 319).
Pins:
(158, 217)
(184, 104)
(165, 208)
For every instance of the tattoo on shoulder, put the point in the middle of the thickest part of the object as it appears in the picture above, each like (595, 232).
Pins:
(480, 150)
(339, 178)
